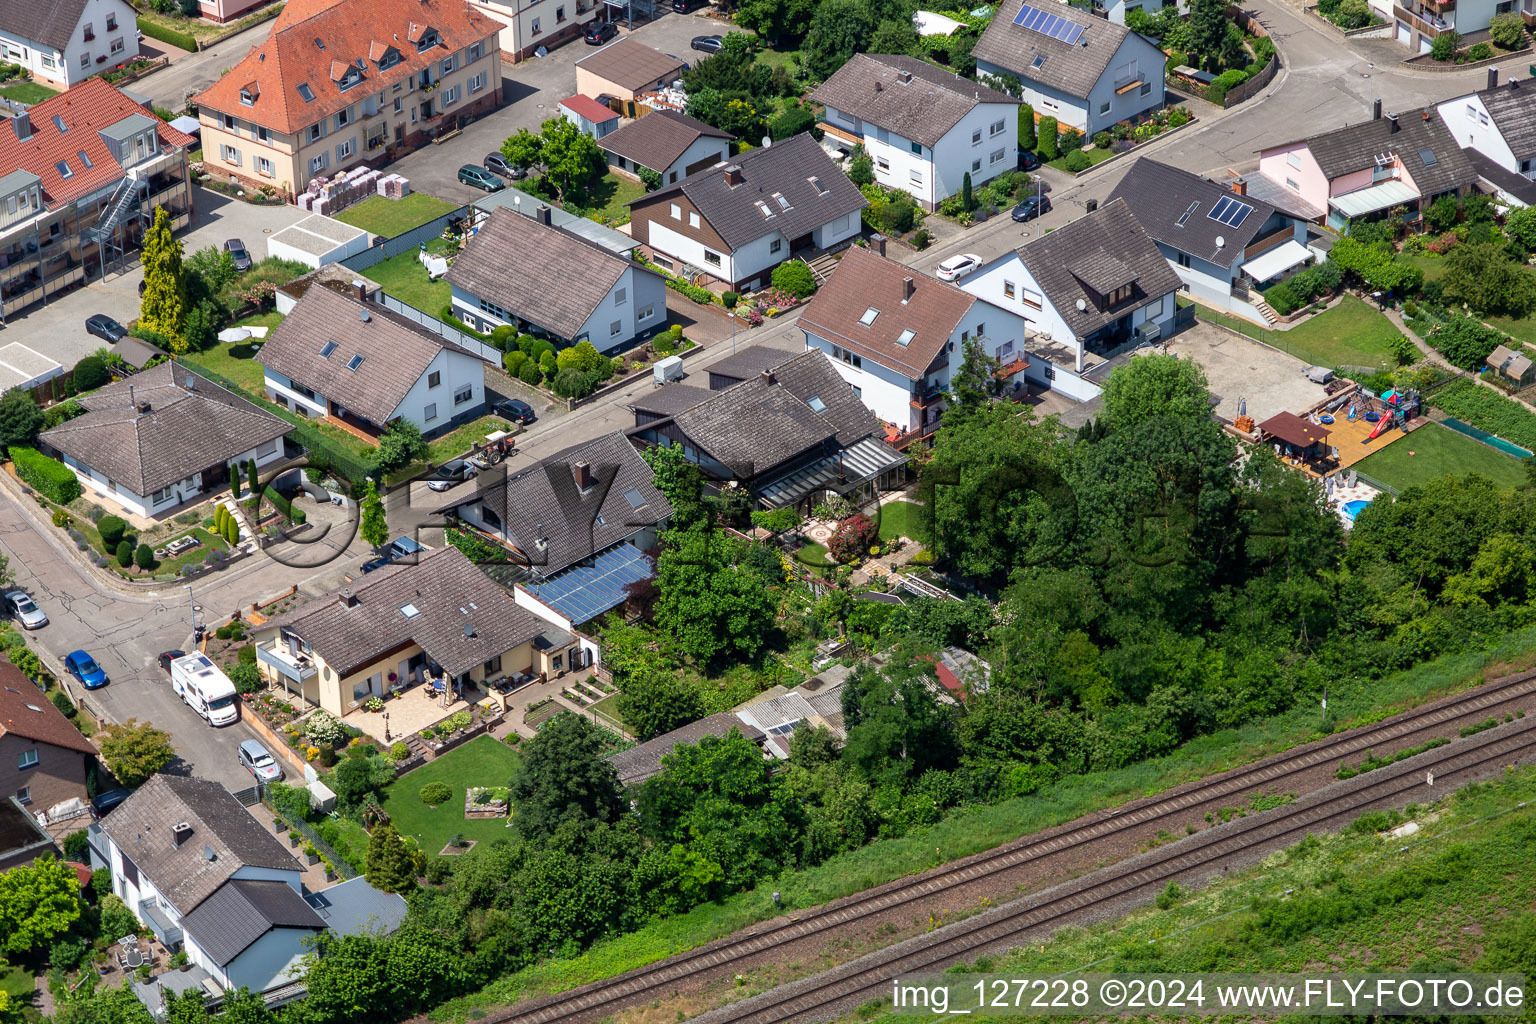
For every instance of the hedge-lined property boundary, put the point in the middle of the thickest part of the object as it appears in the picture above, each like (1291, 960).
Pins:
(167, 35)
(283, 505)
(49, 477)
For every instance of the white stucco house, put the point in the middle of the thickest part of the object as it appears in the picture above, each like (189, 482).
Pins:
(1086, 291)
(925, 129)
(735, 222)
(671, 144)
(566, 286)
(1496, 129)
(896, 336)
(342, 357)
(63, 42)
(1086, 72)
(162, 438)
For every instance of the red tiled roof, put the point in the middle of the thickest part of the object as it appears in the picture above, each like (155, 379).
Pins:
(311, 39)
(24, 711)
(588, 108)
(85, 110)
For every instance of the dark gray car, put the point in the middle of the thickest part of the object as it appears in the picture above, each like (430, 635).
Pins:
(105, 328)
(239, 253)
(498, 163)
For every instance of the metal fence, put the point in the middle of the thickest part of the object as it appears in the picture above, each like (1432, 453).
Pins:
(447, 331)
(409, 241)
(251, 795)
(343, 867)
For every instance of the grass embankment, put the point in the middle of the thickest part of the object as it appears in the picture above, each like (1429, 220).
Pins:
(1436, 894)
(1433, 451)
(981, 828)
(1349, 334)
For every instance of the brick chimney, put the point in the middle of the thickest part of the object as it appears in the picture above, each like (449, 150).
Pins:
(360, 290)
(180, 833)
(1239, 186)
(733, 175)
(908, 289)
(877, 243)
(346, 598)
(769, 379)
(583, 473)
(543, 215)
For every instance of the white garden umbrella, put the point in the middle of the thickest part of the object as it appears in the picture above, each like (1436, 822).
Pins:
(234, 334)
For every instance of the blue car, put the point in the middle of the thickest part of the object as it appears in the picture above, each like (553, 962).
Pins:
(84, 668)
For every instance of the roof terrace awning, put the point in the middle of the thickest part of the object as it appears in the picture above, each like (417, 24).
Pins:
(1277, 261)
(1378, 197)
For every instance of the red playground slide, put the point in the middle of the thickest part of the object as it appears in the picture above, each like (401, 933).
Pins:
(1383, 424)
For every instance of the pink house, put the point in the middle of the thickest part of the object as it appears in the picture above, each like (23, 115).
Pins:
(1364, 170)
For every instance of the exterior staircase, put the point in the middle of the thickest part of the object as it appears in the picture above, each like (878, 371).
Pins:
(821, 266)
(123, 198)
(233, 508)
(1265, 310)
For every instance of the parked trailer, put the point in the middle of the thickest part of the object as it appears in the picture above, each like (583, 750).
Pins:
(205, 689)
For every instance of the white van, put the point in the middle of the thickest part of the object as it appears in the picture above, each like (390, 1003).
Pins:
(205, 688)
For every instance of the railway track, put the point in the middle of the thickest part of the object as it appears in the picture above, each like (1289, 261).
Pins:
(870, 976)
(1178, 806)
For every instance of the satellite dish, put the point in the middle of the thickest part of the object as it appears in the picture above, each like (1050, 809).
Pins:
(767, 141)
(1221, 241)
(1082, 305)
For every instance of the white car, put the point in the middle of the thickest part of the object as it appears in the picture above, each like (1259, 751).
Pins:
(25, 610)
(957, 267)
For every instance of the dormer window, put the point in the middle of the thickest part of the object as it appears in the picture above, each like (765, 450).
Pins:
(1119, 295)
(248, 94)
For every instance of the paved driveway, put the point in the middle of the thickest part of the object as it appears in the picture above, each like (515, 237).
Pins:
(57, 328)
(532, 92)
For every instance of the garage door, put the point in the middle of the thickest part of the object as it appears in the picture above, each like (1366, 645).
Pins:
(1425, 44)
(1404, 34)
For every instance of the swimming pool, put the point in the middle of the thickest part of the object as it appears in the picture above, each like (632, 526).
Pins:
(1352, 508)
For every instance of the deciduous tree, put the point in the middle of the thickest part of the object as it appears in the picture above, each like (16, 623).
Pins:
(134, 751)
(563, 777)
(20, 418)
(838, 30)
(371, 524)
(38, 901)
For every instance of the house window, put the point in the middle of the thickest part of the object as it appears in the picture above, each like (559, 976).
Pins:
(997, 154)
(976, 137)
(451, 95)
(343, 118)
(476, 83)
(677, 212)
(117, 46)
(28, 759)
(614, 328)
(319, 163)
(230, 155)
(264, 166)
(64, 169)
(1007, 289)
(434, 379)
(430, 412)
(24, 795)
(49, 62)
(1146, 88)
(111, 23)
(882, 163)
(493, 666)
(976, 164)
(464, 393)
(1031, 298)
(644, 313)
(1050, 373)
(247, 98)
(996, 129)
(1294, 159)
(536, 29)
(315, 131)
(346, 149)
(85, 60)
(916, 177)
(917, 147)
(693, 219)
(620, 296)
(776, 245)
(306, 93)
(90, 31)
(981, 330)
(1185, 260)
(399, 104)
(448, 66)
(712, 258)
(1290, 183)
(1005, 349)
(475, 53)
(1104, 107)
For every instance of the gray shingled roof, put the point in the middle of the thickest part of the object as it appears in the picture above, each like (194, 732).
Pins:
(227, 923)
(753, 426)
(184, 430)
(658, 139)
(461, 618)
(630, 63)
(1071, 67)
(543, 500)
(1174, 206)
(560, 280)
(141, 827)
(670, 400)
(396, 352)
(354, 907)
(810, 377)
(904, 95)
(1513, 108)
(747, 362)
(637, 764)
(52, 22)
(1090, 247)
(1355, 147)
(784, 168)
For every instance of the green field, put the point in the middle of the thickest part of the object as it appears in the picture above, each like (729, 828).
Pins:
(484, 761)
(391, 217)
(1434, 451)
(459, 440)
(27, 92)
(1349, 334)
(406, 279)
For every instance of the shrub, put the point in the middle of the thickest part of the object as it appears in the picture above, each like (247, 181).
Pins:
(49, 477)
(124, 553)
(1077, 161)
(1507, 30)
(62, 702)
(62, 518)
(461, 719)
(112, 529)
(795, 277)
(529, 372)
(503, 337)
(246, 677)
(513, 361)
(144, 557)
(399, 751)
(548, 364)
(1070, 140)
(77, 846)
(729, 299)
(168, 35)
(1283, 299)
(1445, 46)
(572, 383)
(1217, 92)
(435, 793)
(1478, 51)
(324, 727)
(1046, 131)
(1352, 14)
(852, 538)
(90, 373)
(1102, 140)
(921, 239)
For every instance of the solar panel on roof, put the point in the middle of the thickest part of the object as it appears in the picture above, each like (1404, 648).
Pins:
(1047, 24)
(584, 592)
(1229, 211)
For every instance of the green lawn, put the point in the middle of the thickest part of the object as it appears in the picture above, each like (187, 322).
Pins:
(406, 279)
(484, 761)
(1439, 451)
(608, 707)
(27, 92)
(390, 217)
(456, 442)
(899, 519)
(1349, 334)
(814, 555)
(1432, 265)
(16, 983)
(236, 361)
(606, 203)
(1523, 330)
(1095, 156)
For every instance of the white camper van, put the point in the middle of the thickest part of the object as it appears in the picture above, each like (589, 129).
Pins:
(205, 688)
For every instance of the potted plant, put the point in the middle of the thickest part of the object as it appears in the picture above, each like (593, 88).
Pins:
(310, 854)
(294, 838)
(178, 961)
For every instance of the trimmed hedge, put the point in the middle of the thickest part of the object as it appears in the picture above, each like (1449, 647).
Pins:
(167, 35)
(283, 505)
(49, 477)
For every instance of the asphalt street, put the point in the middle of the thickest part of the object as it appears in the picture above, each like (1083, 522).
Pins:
(1326, 82)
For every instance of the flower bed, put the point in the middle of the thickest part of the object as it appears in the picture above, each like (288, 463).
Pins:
(274, 710)
(486, 801)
